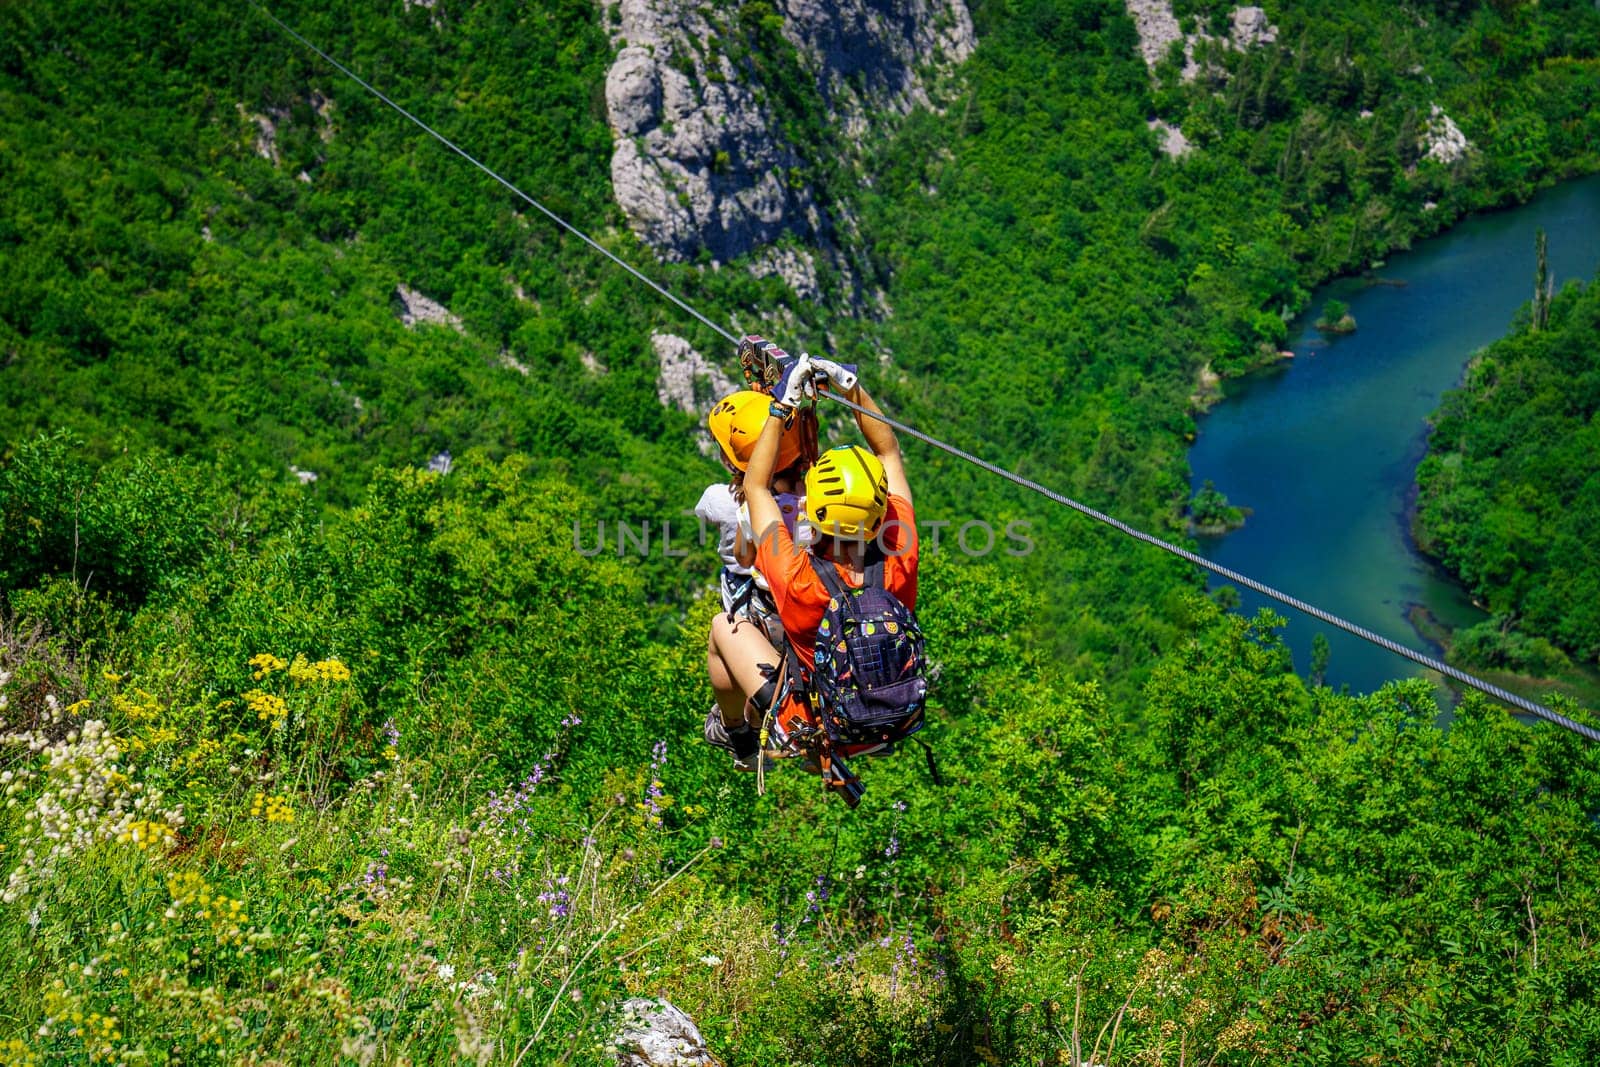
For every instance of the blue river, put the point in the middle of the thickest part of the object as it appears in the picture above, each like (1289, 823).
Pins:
(1324, 447)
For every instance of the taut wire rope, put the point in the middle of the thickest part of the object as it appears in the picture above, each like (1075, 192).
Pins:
(1430, 662)
(464, 154)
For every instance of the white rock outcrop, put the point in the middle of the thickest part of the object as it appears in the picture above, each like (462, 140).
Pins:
(796, 266)
(1251, 28)
(414, 308)
(700, 162)
(1158, 31)
(1157, 27)
(266, 139)
(510, 362)
(687, 380)
(654, 1033)
(1442, 140)
(1173, 142)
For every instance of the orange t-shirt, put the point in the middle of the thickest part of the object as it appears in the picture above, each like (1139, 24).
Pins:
(800, 595)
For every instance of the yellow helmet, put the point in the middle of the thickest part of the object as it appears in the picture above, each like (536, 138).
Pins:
(847, 492)
(736, 421)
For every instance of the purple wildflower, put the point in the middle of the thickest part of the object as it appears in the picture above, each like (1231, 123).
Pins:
(653, 793)
(556, 898)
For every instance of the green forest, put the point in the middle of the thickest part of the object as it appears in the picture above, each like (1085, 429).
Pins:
(375, 767)
(1509, 491)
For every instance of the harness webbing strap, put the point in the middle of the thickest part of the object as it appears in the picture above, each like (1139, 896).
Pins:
(742, 598)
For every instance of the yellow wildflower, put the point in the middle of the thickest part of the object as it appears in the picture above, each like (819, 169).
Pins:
(326, 670)
(224, 914)
(147, 833)
(137, 706)
(275, 808)
(265, 664)
(269, 709)
(16, 1051)
(204, 752)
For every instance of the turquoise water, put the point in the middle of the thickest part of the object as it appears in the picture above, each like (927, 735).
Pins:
(1324, 448)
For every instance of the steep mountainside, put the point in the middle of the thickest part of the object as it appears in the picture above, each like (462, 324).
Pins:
(727, 124)
(349, 707)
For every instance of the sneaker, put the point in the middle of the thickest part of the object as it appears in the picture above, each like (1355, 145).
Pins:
(716, 732)
(749, 763)
(718, 736)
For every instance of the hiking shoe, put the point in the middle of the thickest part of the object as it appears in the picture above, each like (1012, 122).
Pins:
(733, 742)
(716, 732)
(749, 763)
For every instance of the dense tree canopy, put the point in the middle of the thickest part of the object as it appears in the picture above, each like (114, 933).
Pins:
(1510, 491)
(379, 765)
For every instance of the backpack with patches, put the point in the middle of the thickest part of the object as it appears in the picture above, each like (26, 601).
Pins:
(869, 673)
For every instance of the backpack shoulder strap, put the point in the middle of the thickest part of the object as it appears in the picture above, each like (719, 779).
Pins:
(829, 575)
(871, 576)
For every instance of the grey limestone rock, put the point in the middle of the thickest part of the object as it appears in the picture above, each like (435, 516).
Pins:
(1443, 140)
(688, 381)
(414, 308)
(1158, 30)
(655, 1033)
(700, 163)
(1173, 142)
(1250, 28)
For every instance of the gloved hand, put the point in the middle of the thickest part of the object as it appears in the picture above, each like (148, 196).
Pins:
(842, 376)
(795, 384)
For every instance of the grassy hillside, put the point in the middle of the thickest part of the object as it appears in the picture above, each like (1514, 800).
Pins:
(417, 786)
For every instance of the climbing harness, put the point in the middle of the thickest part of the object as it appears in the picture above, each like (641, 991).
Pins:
(762, 359)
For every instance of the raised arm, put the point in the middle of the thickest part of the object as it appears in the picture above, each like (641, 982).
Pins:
(758, 496)
(881, 439)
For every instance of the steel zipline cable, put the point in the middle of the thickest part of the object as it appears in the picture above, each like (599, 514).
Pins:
(1454, 673)
(1520, 703)
(464, 154)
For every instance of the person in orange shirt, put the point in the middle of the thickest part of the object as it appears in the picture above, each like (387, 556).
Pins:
(859, 503)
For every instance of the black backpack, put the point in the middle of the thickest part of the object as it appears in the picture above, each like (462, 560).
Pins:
(869, 673)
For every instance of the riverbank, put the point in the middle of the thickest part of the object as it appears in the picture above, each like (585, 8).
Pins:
(1574, 681)
(1324, 447)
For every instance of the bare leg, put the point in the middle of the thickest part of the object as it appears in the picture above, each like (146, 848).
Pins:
(735, 657)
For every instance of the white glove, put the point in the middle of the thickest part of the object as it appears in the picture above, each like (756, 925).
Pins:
(841, 377)
(796, 384)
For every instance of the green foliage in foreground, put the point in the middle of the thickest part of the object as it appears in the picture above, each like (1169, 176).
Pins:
(1510, 491)
(414, 784)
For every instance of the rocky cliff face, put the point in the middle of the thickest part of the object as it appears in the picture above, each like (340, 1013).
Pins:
(1158, 30)
(702, 161)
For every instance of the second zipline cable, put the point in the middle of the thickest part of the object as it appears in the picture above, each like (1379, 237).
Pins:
(1502, 695)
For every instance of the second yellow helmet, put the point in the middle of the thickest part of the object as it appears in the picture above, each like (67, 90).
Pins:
(736, 422)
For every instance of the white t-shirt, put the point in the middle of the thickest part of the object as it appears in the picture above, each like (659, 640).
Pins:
(718, 506)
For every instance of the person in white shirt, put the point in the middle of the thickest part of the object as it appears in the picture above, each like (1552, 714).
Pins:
(735, 423)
